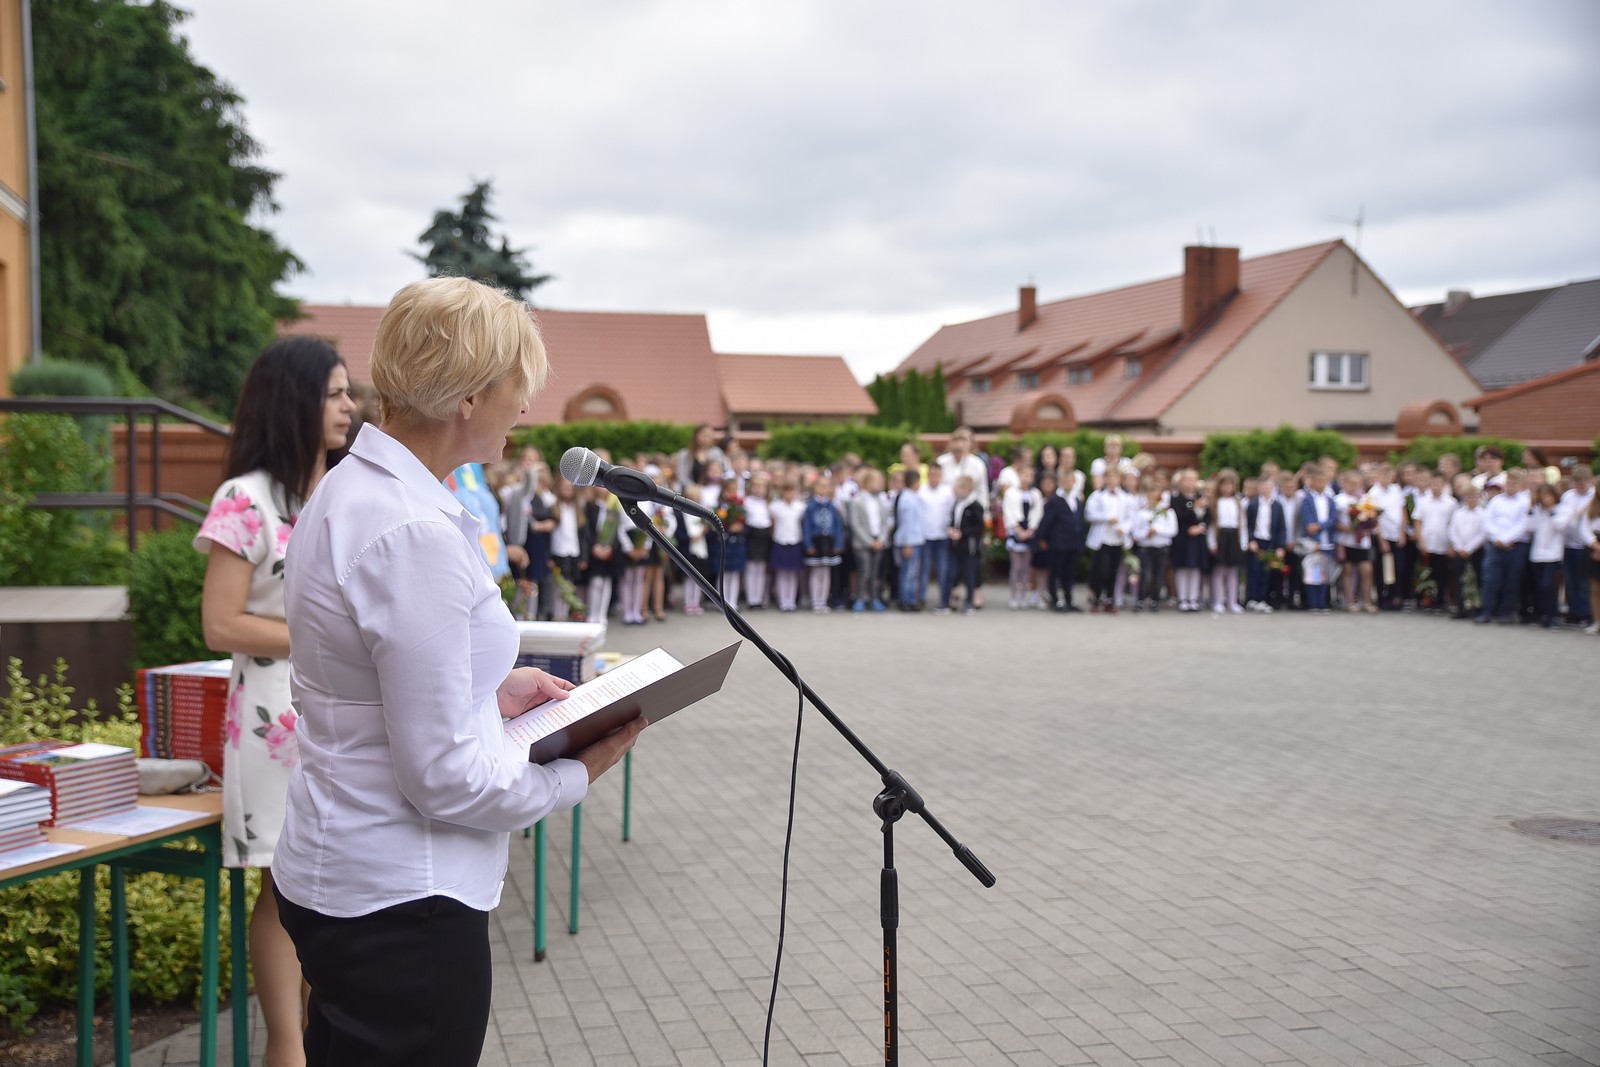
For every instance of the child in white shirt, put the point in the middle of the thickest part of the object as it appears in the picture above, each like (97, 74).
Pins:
(1154, 527)
(1466, 547)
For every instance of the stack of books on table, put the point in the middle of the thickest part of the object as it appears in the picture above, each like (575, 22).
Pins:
(564, 649)
(84, 781)
(22, 808)
(182, 709)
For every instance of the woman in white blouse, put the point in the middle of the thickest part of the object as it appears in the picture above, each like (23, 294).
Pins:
(394, 846)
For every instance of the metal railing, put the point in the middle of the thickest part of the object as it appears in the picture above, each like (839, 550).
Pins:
(128, 499)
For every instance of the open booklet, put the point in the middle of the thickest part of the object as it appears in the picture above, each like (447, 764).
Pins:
(653, 685)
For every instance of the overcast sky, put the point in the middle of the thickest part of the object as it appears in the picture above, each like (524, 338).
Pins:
(843, 177)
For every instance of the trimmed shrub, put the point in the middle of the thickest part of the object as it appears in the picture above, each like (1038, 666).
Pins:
(62, 377)
(165, 581)
(1427, 450)
(1090, 444)
(621, 439)
(1286, 446)
(48, 454)
(820, 443)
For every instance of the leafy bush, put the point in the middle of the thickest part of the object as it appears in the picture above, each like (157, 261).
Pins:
(1286, 446)
(48, 454)
(821, 443)
(1427, 450)
(621, 439)
(39, 919)
(165, 581)
(1090, 444)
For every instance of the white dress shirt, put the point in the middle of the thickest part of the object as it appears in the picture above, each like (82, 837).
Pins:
(1576, 505)
(937, 504)
(406, 786)
(1505, 519)
(788, 517)
(1433, 518)
(1104, 514)
(1548, 529)
(1391, 503)
(1466, 529)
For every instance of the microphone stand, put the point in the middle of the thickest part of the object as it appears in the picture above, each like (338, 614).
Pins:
(895, 800)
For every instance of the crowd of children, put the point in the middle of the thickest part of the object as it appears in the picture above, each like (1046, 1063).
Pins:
(1494, 544)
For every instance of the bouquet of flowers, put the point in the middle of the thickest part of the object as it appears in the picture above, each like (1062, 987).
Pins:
(1274, 563)
(1363, 516)
(577, 610)
(730, 512)
(607, 535)
(637, 536)
(1130, 560)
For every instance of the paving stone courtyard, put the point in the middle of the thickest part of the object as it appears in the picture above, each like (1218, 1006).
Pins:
(1243, 840)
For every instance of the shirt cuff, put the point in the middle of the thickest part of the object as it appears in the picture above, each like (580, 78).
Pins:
(573, 778)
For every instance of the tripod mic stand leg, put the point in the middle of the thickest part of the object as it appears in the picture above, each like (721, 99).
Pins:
(889, 807)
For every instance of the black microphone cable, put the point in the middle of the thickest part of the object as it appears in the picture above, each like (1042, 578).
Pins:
(793, 675)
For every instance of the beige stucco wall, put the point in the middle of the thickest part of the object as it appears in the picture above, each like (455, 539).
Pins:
(16, 308)
(1263, 380)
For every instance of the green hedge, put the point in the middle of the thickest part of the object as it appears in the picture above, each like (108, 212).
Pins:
(820, 443)
(62, 377)
(1427, 450)
(165, 581)
(39, 919)
(1286, 446)
(48, 454)
(1090, 444)
(621, 439)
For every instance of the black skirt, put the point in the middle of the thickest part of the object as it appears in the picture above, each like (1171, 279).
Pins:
(1189, 551)
(758, 543)
(1229, 552)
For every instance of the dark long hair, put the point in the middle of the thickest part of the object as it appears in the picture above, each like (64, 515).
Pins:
(277, 424)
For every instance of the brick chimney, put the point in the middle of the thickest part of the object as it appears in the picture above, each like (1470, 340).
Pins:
(1027, 306)
(1210, 276)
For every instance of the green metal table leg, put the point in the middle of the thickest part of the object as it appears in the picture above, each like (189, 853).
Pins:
(86, 926)
(627, 791)
(239, 936)
(211, 877)
(577, 852)
(538, 891)
(121, 1017)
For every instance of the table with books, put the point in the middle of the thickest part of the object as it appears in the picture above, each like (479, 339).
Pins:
(75, 807)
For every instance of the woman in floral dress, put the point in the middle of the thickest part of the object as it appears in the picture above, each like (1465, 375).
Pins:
(293, 411)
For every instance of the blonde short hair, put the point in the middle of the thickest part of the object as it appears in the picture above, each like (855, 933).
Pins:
(444, 339)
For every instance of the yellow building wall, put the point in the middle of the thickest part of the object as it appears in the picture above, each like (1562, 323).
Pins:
(16, 306)
(1264, 380)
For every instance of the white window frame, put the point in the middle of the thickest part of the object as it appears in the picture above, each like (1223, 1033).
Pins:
(1028, 379)
(1131, 366)
(1080, 375)
(1347, 372)
(980, 385)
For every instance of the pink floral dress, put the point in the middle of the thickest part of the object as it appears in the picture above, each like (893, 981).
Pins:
(251, 517)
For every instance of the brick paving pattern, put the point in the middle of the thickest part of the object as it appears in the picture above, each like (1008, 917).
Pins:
(1224, 841)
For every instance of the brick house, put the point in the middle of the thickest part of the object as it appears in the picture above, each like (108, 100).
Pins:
(1563, 406)
(1310, 336)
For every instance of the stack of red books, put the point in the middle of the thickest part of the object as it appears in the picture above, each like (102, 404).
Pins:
(182, 710)
(85, 781)
(22, 808)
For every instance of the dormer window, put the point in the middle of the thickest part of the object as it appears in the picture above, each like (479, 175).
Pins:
(1028, 379)
(1130, 366)
(1080, 375)
(980, 385)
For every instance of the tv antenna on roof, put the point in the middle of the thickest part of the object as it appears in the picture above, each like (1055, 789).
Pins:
(1358, 222)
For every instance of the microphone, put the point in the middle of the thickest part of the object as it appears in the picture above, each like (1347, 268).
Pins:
(582, 467)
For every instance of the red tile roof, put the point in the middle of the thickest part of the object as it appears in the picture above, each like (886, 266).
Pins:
(1138, 320)
(661, 366)
(792, 385)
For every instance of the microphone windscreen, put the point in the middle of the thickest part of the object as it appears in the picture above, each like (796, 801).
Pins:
(579, 465)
